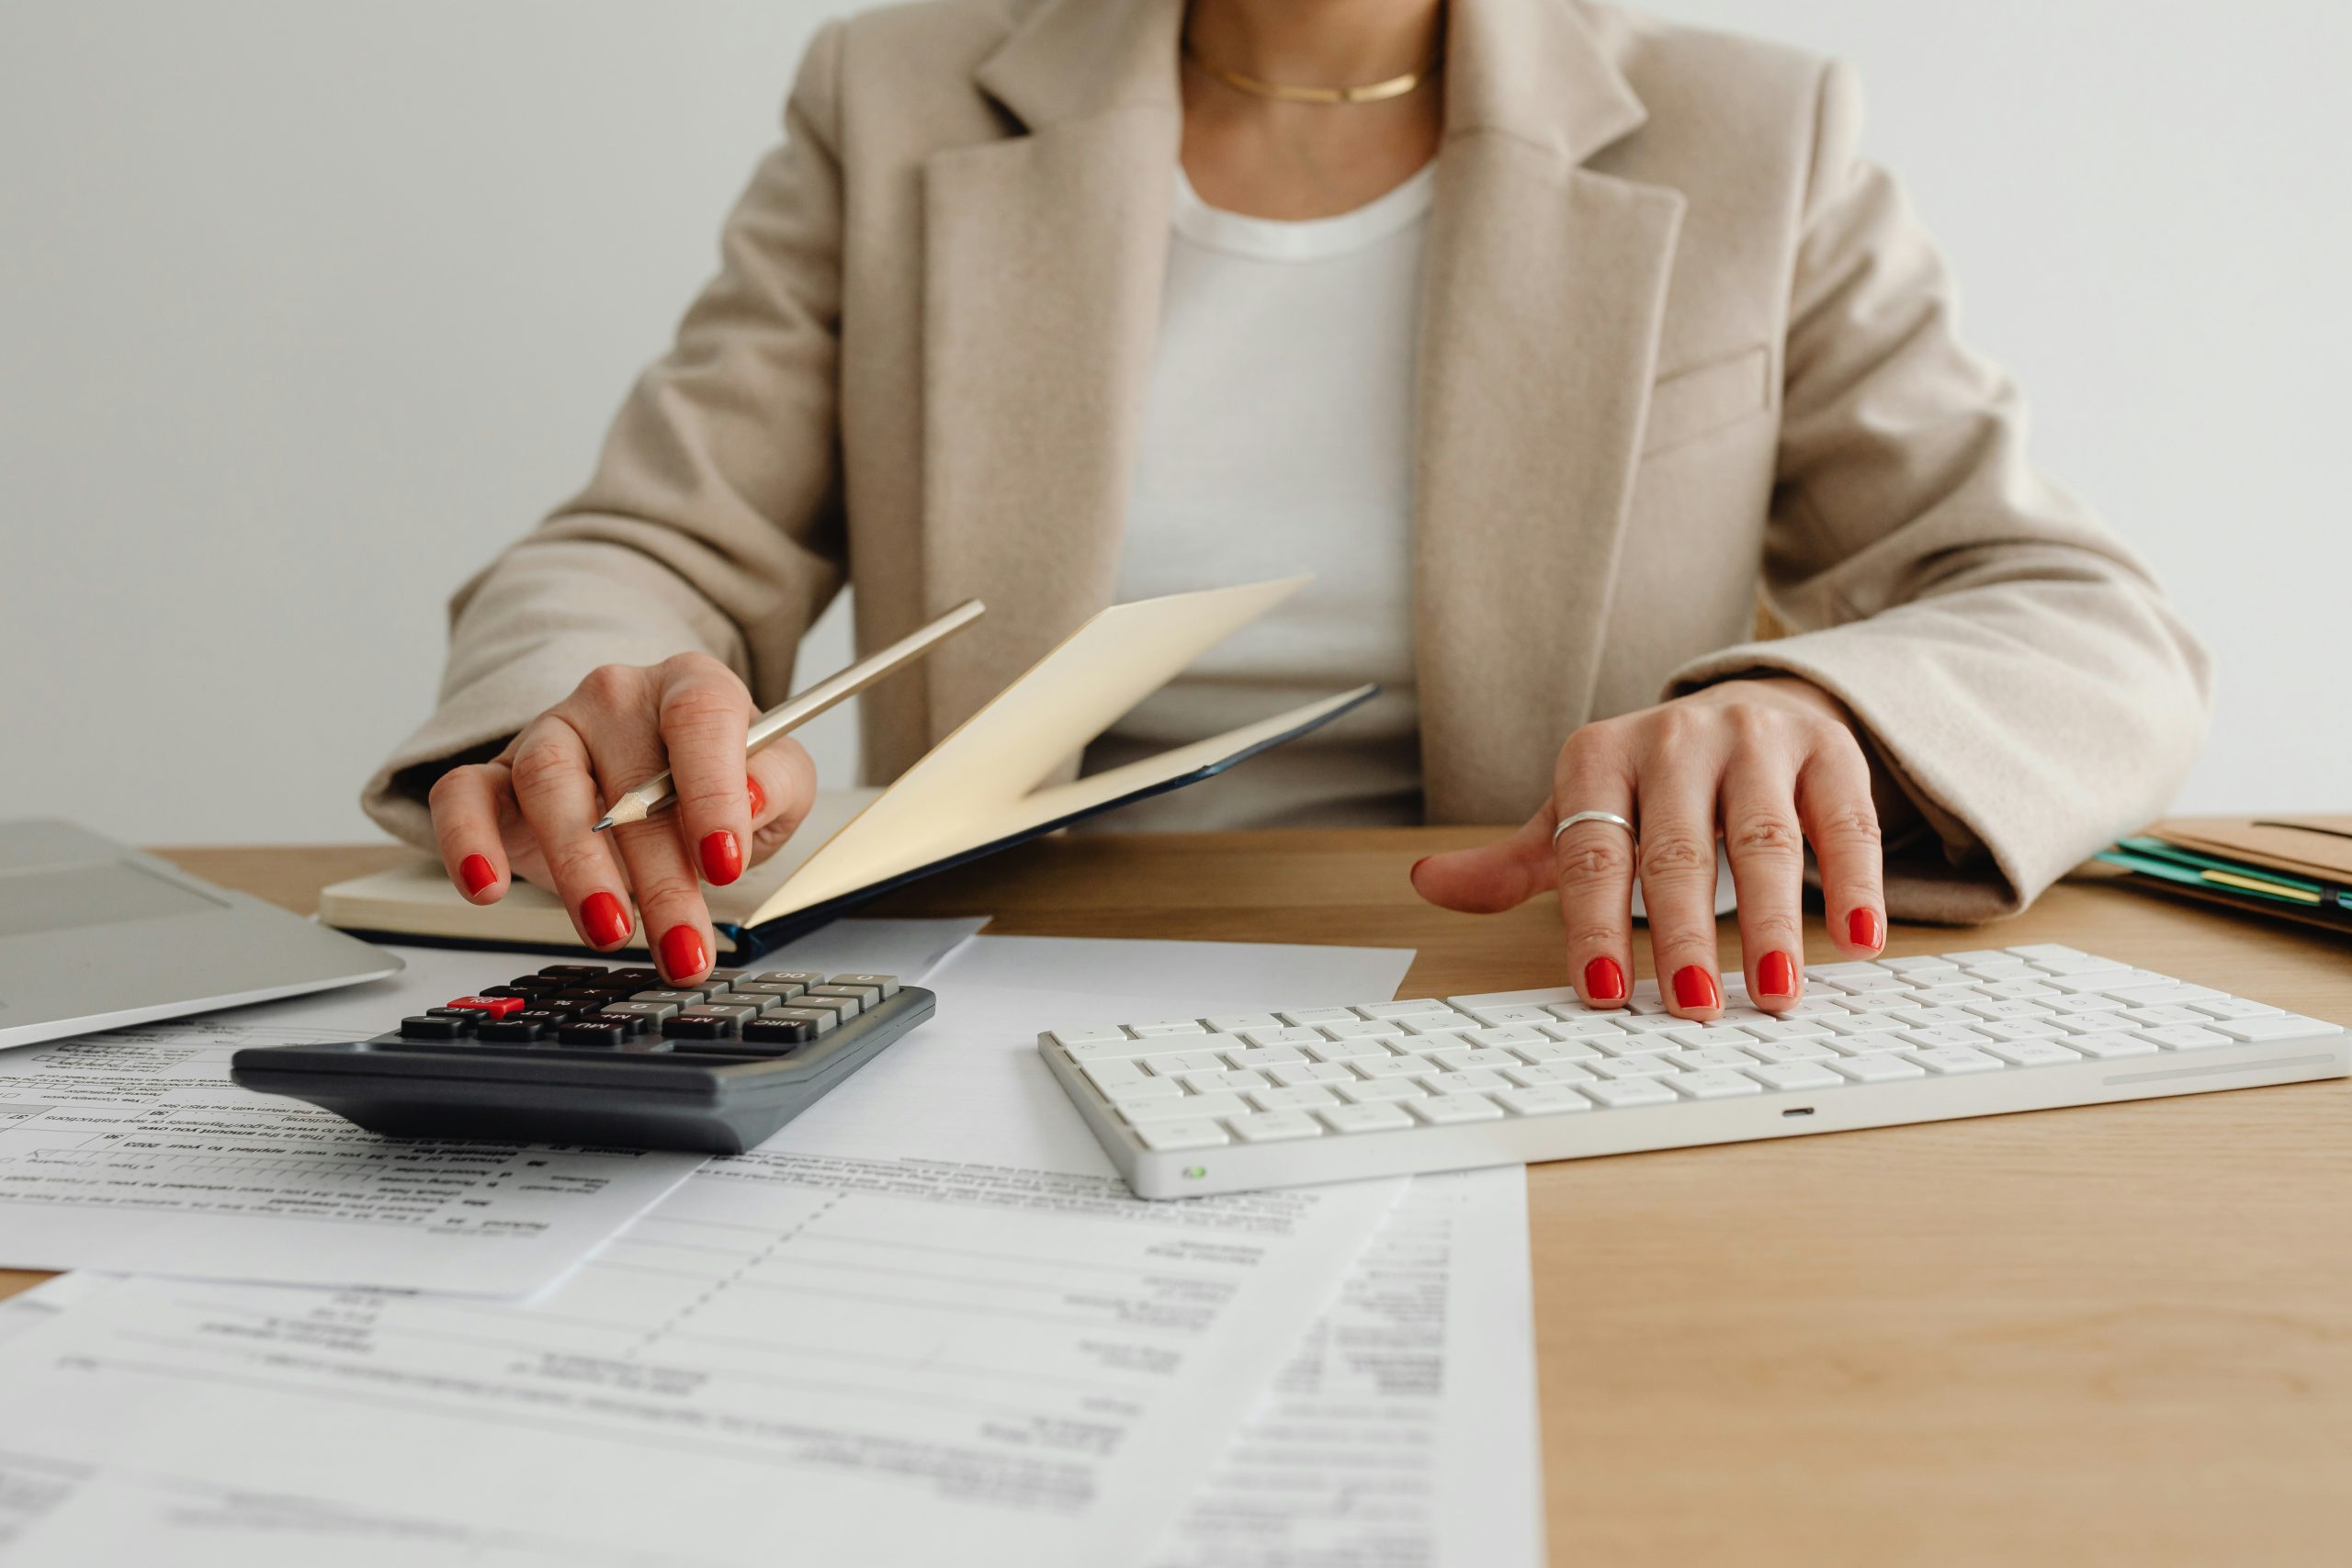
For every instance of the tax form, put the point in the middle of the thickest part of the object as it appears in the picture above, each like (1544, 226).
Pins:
(826, 1356)
(1403, 1432)
(132, 1151)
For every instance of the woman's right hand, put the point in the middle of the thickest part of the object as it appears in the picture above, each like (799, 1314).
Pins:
(530, 810)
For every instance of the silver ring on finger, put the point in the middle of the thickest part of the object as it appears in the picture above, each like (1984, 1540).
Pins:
(1609, 817)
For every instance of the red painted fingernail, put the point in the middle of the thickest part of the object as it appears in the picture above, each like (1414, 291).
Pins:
(1862, 929)
(722, 857)
(1776, 974)
(476, 870)
(682, 952)
(1604, 981)
(1695, 987)
(759, 798)
(606, 919)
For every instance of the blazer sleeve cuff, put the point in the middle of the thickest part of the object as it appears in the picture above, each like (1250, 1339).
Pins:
(1996, 845)
(564, 608)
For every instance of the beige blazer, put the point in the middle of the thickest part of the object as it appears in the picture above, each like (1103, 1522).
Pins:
(1678, 346)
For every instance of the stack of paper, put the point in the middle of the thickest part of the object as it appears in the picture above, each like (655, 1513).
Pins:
(925, 1315)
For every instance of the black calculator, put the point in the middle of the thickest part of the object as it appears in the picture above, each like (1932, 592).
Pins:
(585, 1053)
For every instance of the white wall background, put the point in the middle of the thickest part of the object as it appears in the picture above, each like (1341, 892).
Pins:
(305, 310)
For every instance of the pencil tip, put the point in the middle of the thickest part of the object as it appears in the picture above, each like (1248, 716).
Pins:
(602, 823)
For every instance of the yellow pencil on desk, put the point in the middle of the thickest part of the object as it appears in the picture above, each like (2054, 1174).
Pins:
(659, 791)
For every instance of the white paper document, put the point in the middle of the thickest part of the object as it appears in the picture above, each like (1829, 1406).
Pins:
(132, 1151)
(813, 1360)
(1403, 1432)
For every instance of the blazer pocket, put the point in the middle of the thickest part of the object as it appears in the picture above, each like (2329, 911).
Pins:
(1705, 399)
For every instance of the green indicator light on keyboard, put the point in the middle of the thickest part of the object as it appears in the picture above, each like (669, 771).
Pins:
(1194, 1172)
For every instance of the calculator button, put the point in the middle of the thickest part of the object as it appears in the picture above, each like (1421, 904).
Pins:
(575, 971)
(688, 1026)
(886, 983)
(804, 978)
(607, 1036)
(458, 1024)
(511, 1031)
(497, 1007)
(680, 997)
(647, 1014)
(775, 1031)
(848, 1002)
(818, 1018)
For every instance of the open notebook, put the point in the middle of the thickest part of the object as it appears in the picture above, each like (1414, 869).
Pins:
(979, 790)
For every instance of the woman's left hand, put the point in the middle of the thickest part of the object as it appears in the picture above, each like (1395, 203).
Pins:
(1771, 764)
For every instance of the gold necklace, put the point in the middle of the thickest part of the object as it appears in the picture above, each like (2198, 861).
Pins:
(1370, 93)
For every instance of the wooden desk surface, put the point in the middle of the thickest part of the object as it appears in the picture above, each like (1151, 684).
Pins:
(2115, 1334)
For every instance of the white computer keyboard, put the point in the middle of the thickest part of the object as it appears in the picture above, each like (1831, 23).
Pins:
(1196, 1105)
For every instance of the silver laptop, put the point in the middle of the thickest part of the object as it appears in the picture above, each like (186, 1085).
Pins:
(94, 935)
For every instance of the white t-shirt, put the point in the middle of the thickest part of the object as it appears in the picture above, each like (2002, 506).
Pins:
(1277, 437)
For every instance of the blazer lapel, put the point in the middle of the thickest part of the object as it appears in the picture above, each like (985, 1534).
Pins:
(1544, 289)
(1043, 260)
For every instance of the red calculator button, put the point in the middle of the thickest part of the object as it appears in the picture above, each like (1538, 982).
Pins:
(497, 1007)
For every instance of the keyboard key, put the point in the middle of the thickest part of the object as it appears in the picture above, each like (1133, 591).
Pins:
(1167, 1027)
(2033, 1054)
(1142, 1111)
(1541, 1101)
(1210, 1083)
(1275, 1127)
(1378, 1090)
(1792, 1075)
(1930, 1017)
(1917, 964)
(1870, 1044)
(1235, 1022)
(1364, 1029)
(1365, 1118)
(2161, 1015)
(1318, 1015)
(2045, 952)
(1318, 1072)
(1344, 1050)
(2077, 1005)
(1161, 1137)
(1142, 1089)
(1442, 1023)
(1284, 1035)
(2017, 989)
(1861, 1023)
(2021, 1029)
(1785, 1051)
(1545, 1075)
(1449, 1110)
(1943, 1035)
(1514, 1012)
(1103, 1075)
(2107, 1047)
(1507, 1034)
(1466, 1058)
(1383, 1068)
(2171, 1037)
(1946, 1060)
(1102, 1035)
(1556, 1051)
(1590, 1027)
(2012, 1009)
(1168, 1064)
(1404, 1009)
(1725, 1034)
(1715, 1083)
(2177, 995)
(1259, 1059)
(2235, 1007)
(1789, 1029)
(1306, 1097)
(1710, 1057)
(1463, 1083)
(1627, 1094)
(2278, 1026)
(1878, 1066)
(1622, 1069)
